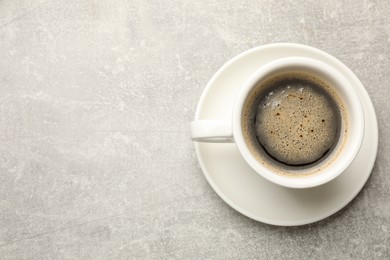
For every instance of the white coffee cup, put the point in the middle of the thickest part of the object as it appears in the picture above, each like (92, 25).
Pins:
(214, 130)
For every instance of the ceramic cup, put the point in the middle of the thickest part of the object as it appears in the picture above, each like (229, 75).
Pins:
(225, 131)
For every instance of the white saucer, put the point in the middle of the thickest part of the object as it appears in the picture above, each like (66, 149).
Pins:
(246, 191)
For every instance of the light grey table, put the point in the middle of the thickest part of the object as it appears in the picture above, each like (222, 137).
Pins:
(96, 99)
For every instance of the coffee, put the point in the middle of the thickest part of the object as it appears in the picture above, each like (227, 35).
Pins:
(294, 122)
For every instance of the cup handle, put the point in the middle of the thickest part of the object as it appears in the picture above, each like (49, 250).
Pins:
(212, 131)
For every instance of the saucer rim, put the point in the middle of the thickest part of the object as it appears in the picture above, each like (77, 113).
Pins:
(367, 105)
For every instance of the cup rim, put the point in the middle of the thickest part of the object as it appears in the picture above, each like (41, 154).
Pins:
(352, 144)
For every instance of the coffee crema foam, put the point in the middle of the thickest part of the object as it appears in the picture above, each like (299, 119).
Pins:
(294, 123)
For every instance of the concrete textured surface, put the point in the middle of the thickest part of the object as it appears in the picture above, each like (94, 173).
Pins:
(96, 99)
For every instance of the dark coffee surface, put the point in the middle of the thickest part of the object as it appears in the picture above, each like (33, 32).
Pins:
(296, 121)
